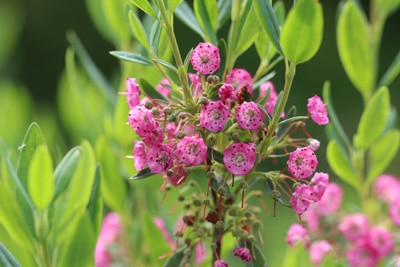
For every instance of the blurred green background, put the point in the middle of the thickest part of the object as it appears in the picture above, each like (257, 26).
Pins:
(33, 45)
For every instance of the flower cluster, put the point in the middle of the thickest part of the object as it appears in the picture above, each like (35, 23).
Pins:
(226, 129)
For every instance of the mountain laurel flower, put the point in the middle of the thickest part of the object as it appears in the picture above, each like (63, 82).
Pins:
(302, 162)
(139, 155)
(240, 78)
(243, 254)
(318, 250)
(362, 255)
(213, 116)
(320, 181)
(330, 201)
(226, 91)
(132, 92)
(387, 188)
(220, 263)
(317, 110)
(394, 212)
(177, 175)
(249, 116)
(164, 87)
(381, 240)
(196, 84)
(191, 150)
(354, 227)
(159, 158)
(265, 88)
(297, 234)
(205, 58)
(239, 158)
(302, 198)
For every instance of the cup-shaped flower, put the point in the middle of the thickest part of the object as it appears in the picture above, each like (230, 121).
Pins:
(159, 158)
(318, 250)
(302, 197)
(362, 255)
(317, 109)
(226, 91)
(177, 175)
(191, 150)
(239, 158)
(381, 240)
(132, 92)
(240, 78)
(243, 254)
(320, 181)
(249, 116)
(331, 200)
(297, 234)
(213, 116)
(139, 155)
(354, 227)
(268, 88)
(302, 162)
(387, 188)
(205, 58)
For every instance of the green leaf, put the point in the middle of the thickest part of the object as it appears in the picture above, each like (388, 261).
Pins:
(95, 205)
(302, 32)
(113, 186)
(65, 170)
(296, 256)
(354, 47)
(176, 260)
(167, 65)
(258, 259)
(145, 6)
(40, 178)
(145, 173)
(382, 153)
(268, 186)
(269, 22)
(114, 12)
(280, 11)
(224, 11)
(185, 14)
(222, 54)
(6, 258)
(373, 119)
(138, 30)
(173, 4)
(249, 31)
(341, 164)
(217, 183)
(136, 58)
(392, 72)
(206, 13)
(387, 7)
(150, 91)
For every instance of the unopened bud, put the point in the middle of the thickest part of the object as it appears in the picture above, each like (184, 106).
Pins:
(219, 224)
(148, 105)
(210, 175)
(275, 194)
(203, 100)
(244, 185)
(187, 252)
(167, 110)
(197, 202)
(213, 79)
(251, 238)
(211, 141)
(155, 111)
(313, 144)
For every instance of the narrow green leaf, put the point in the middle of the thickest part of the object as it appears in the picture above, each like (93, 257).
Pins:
(95, 205)
(173, 4)
(280, 11)
(373, 119)
(206, 13)
(92, 69)
(145, 6)
(222, 54)
(150, 91)
(145, 173)
(168, 65)
(224, 12)
(354, 47)
(96, 12)
(176, 260)
(341, 164)
(185, 14)
(138, 30)
(258, 259)
(136, 58)
(114, 13)
(249, 31)
(6, 258)
(217, 183)
(269, 22)
(302, 32)
(40, 178)
(392, 72)
(382, 153)
(387, 7)
(64, 171)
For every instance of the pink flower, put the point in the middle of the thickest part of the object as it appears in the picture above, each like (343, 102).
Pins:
(243, 254)
(240, 78)
(164, 87)
(362, 255)
(317, 110)
(178, 176)
(213, 116)
(297, 234)
(159, 158)
(220, 263)
(318, 250)
(273, 97)
(331, 200)
(226, 91)
(302, 162)
(191, 150)
(354, 227)
(205, 58)
(394, 212)
(387, 188)
(381, 240)
(139, 155)
(196, 84)
(111, 229)
(302, 197)
(313, 144)
(159, 222)
(312, 218)
(249, 116)
(239, 158)
(320, 181)
(132, 92)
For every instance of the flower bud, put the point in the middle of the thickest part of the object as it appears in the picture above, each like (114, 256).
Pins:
(148, 105)
(203, 100)
(219, 224)
(211, 141)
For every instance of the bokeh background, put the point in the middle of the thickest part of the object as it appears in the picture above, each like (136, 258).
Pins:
(33, 44)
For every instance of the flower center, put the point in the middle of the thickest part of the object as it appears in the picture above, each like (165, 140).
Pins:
(204, 58)
(216, 115)
(239, 158)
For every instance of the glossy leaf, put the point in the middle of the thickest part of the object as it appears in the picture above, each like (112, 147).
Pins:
(269, 22)
(206, 13)
(354, 47)
(341, 164)
(145, 6)
(149, 90)
(6, 258)
(373, 119)
(392, 72)
(64, 170)
(40, 178)
(176, 260)
(302, 31)
(96, 12)
(173, 4)
(382, 153)
(131, 57)
(249, 31)
(185, 14)
(138, 30)
(145, 173)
